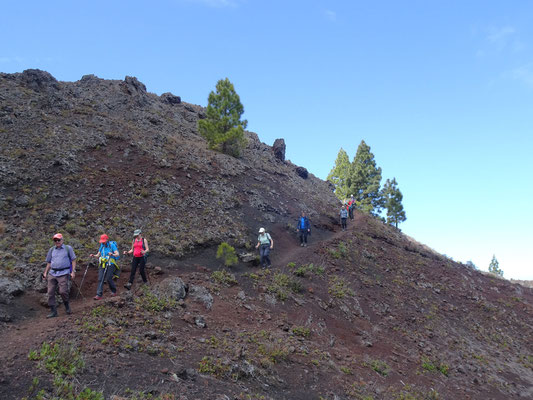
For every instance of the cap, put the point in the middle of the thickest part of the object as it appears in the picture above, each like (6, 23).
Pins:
(104, 238)
(58, 236)
(137, 232)
(261, 230)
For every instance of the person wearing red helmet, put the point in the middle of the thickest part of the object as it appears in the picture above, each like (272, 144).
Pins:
(60, 267)
(107, 254)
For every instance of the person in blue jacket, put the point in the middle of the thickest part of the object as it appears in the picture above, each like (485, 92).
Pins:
(108, 253)
(304, 228)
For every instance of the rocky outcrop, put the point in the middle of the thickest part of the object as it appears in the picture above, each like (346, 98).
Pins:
(279, 149)
(302, 172)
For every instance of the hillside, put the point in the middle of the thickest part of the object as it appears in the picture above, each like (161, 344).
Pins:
(363, 314)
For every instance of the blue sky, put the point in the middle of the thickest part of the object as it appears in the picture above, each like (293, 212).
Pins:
(442, 91)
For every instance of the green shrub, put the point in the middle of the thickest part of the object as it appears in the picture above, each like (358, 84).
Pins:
(224, 278)
(339, 288)
(59, 359)
(282, 284)
(154, 303)
(213, 367)
(301, 331)
(227, 253)
(381, 367)
(435, 366)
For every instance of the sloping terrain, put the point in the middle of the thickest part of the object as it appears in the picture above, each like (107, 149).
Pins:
(363, 314)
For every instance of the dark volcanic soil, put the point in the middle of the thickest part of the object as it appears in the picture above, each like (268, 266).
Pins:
(384, 319)
(363, 314)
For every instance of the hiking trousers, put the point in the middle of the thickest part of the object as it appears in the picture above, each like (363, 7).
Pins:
(55, 281)
(303, 235)
(108, 277)
(141, 263)
(350, 212)
(264, 253)
(343, 223)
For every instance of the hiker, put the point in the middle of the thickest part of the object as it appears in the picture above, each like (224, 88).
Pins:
(139, 248)
(265, 244)
(344, 215)
(304, 228)
(351, 206)
(60, 268)
(108, 255)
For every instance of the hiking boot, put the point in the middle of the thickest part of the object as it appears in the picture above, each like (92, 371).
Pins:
(53, 312)
(128, 285)
(113, 294)
(305, 244)
(67, 308)
(97, 297)
(301, 245)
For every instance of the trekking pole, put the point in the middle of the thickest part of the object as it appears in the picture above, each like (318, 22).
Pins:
(101, 284)
(81, 283)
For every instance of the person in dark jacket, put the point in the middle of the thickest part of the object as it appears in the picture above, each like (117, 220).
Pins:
(304, 228)
(344, 216)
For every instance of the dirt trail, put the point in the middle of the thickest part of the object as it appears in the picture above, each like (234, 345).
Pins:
(293, 251)
(18, 338)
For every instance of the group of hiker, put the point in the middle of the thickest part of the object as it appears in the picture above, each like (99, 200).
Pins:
(61, 259)
(265, 243)
(61, 267)
(347, 211)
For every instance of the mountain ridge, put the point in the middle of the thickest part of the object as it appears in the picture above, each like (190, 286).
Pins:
(364, 314)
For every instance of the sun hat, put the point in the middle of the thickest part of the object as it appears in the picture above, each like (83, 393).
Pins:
(104, 238)
(58, 236)
(261, 230)
(137, 232)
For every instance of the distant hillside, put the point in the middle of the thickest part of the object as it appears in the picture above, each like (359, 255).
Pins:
(97, 155)
(364, 314)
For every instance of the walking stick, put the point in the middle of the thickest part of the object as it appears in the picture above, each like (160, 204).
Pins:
(81, 284)
(101, 284)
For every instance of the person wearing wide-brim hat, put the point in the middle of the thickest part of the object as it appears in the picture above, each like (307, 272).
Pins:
(140, 249)
(265, 244)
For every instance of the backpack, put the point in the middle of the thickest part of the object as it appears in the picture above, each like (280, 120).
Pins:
(111, 243)
(68, 253)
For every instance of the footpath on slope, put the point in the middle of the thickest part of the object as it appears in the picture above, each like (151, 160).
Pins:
(21, 336)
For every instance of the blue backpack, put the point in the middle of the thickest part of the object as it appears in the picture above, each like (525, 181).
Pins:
(111, 243)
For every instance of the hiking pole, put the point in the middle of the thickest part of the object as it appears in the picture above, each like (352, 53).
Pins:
(81, 284)
(101, 284)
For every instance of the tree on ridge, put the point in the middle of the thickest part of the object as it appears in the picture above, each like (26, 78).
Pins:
(339, 175)
(392, 202)
(222, 127)
(494, 266)
(364, 181)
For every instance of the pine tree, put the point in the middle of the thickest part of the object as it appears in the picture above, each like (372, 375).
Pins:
(222, 128)
(339, 175)
(364, 181)
(494, 266)
(392, 202)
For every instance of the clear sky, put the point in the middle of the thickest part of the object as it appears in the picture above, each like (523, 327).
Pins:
(441, 90)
